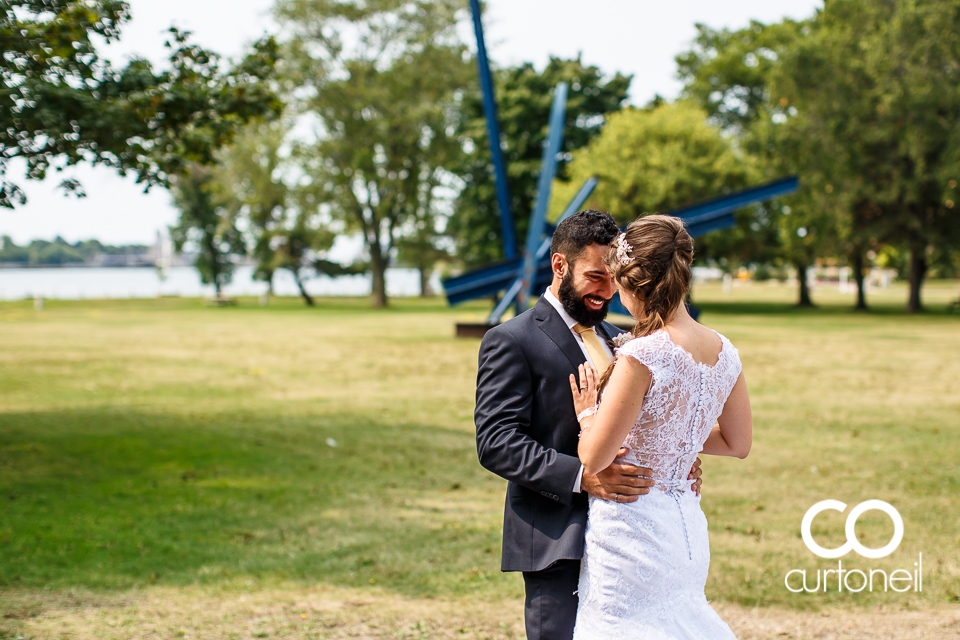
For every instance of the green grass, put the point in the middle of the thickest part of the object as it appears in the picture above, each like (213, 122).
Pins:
(164, 442)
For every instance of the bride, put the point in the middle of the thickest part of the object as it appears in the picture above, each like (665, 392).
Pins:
(674, 389)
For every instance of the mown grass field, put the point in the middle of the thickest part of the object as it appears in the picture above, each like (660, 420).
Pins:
(168, 468)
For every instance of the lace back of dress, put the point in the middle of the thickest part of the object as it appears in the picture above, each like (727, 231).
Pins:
(681, 406)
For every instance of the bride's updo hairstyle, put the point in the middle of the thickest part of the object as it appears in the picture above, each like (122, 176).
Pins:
(652, 261)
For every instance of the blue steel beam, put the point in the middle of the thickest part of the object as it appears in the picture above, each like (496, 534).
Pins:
(505, 301)
(482, 282)
(703, 228)
(493, 133)
(571, 209)
(708, 210)
(548, 168)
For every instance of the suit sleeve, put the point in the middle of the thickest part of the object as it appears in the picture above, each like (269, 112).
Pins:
(502, 417)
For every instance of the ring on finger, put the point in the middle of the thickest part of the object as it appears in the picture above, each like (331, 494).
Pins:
(616, 497)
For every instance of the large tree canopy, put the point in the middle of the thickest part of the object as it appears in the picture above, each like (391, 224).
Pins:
(381, 81)
(861, 100)
(62, 104)
(735, 76)
(654, 160)
(876, 83)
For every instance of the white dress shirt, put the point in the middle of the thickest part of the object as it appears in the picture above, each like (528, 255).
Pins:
(552, 299)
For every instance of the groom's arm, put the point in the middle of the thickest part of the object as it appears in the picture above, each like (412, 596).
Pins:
(502, 417)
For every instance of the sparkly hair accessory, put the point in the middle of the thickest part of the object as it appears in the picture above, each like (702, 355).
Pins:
(623, 249)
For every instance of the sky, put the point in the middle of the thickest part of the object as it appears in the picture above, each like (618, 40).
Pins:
(638, 37)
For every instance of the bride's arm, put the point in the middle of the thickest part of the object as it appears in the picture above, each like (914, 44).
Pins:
(602, 434)
(734, 435)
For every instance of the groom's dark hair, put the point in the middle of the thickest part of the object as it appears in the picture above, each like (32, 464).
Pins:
(582, 229)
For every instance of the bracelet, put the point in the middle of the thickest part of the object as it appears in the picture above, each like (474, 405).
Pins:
(586, 413)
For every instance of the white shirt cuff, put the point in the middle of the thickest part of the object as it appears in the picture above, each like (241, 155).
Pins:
(576, 486)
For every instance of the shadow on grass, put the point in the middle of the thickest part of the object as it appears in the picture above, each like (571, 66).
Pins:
(782, 309)
(109, 499)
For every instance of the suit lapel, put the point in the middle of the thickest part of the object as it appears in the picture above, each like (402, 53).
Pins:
(557, 330)
(608, 331)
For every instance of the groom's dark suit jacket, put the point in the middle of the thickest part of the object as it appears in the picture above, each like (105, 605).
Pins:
(527, 432)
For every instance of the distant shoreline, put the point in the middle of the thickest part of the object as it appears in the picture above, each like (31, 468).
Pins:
(75, 265)
(144, 280)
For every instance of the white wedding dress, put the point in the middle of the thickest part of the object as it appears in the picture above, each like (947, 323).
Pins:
(645, 563)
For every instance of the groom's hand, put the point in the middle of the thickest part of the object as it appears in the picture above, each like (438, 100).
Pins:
(619, 482)
(695, 474)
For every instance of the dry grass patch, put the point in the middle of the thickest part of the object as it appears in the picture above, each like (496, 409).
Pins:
(332, 613)
(321, 612)
(834, 623)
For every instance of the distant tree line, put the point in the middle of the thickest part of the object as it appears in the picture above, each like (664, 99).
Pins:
(60, 252)
(366, 119)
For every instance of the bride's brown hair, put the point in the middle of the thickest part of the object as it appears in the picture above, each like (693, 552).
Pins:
(651, 261)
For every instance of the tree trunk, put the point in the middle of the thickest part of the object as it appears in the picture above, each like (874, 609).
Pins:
(303, 290)
(425, 291)
(378, 269)
(918, 269)
(856, 264)
(804, 300)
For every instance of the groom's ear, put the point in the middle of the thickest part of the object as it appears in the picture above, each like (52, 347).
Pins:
(558, 263)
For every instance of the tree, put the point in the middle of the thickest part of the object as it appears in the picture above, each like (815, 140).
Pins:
(61, 104)
(259, 176)
(524, 98)
(878, 79)
(861, 101)
(739, 77)
(381, 81)
(654, 160)
(729, 72)
(206, 223)
(423, 249)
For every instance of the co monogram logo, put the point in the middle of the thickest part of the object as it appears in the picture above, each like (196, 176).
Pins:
(852, 544)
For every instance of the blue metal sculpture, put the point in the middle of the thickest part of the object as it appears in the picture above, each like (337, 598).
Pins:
(700, 218)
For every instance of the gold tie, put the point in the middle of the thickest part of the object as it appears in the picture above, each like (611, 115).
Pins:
(598, 355)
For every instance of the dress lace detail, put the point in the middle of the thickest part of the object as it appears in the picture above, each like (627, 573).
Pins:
(645, 563)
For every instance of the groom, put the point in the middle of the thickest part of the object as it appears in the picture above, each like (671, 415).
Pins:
(527, 430)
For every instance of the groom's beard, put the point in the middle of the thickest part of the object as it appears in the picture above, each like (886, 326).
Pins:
(572, 301)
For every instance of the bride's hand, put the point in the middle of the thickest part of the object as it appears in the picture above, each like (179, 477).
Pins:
(584, 390)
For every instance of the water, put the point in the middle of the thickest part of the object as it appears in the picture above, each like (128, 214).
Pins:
(76, 283)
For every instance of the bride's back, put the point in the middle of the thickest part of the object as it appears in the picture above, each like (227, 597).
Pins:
(693, 369)
(700, 342)
(692, 372)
